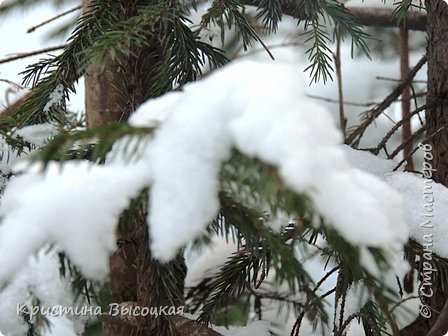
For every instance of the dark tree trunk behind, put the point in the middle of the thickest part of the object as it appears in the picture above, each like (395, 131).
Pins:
(112, 93)
(437, 137)
(136, 278)
(437, 115)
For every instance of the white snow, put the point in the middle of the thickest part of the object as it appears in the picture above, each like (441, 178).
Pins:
(270, 120)
(277, 125)
(76, 205)
(206, 263)
(40, 276)
(368, 162)
(38, 134)
(425, 209)
(55, 97)
(230, 108)
(78, 209)
(425, 203)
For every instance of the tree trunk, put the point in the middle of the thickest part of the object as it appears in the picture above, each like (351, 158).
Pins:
(135, 278)
(437, 114)
(104, 104)
(437, 137)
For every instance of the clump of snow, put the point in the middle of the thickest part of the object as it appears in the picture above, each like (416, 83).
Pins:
(425, 209)
(38, 134)
(39, 275)
(270, 120)
(425, 202)
(76, 205)
(368, 162)
(55, 97)
(207, 263)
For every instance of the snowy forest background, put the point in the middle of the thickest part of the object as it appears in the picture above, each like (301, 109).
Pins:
(298, 190)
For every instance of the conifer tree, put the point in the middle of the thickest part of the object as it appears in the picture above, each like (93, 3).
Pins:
(133, 51)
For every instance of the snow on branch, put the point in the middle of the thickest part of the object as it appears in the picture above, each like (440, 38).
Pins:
(257, 108)
(76, 206)
(260, 110)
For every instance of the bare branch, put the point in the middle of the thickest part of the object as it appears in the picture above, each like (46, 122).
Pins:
(355, 136)
(31, 53)
(337, 61)
(74, 9)
(406, 96)
(382, 17)
(377, 17)
(396, 127)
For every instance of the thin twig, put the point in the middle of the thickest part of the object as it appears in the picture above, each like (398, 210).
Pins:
(354, 138)
(271, 46)
(31, 53)
(351, 103)
(404, 159)
(338, 66)
(406, 102)
(325, 277)
(74, 9)
(346, 323)
(15, 85)
(336, 101)
(414, 96)
(395, 128)
(408, 141)
(399, 80)
(296, 327)
(424, 140)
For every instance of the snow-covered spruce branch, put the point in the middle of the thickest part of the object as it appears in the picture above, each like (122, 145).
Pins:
(199, 128)
(289, 133)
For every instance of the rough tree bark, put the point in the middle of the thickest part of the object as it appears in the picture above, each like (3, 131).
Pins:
(406, 97)
(103, 105)
(437, 137)
(135, 278)
(437, 115)
(437, 121)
